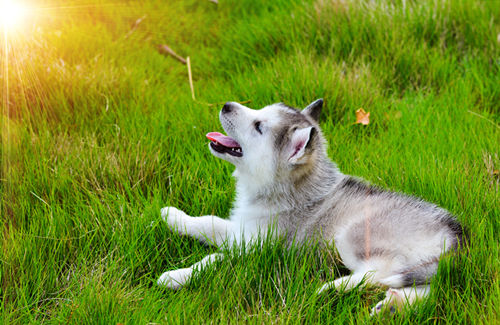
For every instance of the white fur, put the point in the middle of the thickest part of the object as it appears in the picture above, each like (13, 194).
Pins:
(176, 279)
(396, 298)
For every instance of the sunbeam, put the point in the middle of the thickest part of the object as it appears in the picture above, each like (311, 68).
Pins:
(12, 13)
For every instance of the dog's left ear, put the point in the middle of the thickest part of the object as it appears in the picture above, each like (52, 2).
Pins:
(314, 109)
(298, 144)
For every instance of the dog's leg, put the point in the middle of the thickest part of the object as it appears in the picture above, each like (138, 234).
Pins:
(176, 279)
(347, 282)
(396, 298)
(210, 230)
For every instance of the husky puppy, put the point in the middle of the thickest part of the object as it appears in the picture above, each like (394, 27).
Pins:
(285, 179)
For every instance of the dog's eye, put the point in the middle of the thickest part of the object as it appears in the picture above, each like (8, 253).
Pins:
(257, 127)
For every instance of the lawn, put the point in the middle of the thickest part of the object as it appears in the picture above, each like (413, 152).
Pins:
(100, 131)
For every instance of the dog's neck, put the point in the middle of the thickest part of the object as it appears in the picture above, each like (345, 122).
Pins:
(310, 185)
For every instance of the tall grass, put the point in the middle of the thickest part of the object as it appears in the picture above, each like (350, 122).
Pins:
(99, 132)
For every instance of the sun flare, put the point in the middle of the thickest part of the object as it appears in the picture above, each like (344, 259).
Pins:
(12, 14)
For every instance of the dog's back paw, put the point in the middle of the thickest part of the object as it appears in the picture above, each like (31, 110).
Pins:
(395, 299)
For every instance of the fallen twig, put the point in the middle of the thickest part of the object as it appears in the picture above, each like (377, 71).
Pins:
(190, 76)
(134, 27)
(164, 49)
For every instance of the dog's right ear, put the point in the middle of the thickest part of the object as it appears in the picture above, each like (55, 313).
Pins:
(300, 141)
(314, 109)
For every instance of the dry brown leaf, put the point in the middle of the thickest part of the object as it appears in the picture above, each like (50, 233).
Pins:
(362, 117)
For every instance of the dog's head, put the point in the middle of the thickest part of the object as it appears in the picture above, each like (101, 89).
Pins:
(269, 143)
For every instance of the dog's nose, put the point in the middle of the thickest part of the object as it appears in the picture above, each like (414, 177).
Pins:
(227, 108)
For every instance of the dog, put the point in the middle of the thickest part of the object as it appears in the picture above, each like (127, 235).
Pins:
(285, 178)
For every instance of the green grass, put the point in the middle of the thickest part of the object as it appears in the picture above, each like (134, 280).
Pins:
(99, 132)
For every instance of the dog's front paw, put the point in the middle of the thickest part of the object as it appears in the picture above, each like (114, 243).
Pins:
(325, 287)
(173, 216)
(175, 279)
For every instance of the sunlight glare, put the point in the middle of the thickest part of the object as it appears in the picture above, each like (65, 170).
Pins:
(12, 13)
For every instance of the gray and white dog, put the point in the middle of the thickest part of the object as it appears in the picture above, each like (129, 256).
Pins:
(285, 179)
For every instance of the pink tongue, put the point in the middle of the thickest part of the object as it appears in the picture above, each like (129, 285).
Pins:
(223, 139)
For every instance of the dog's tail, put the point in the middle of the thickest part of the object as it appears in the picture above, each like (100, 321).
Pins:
(416, 275)
(422, 272)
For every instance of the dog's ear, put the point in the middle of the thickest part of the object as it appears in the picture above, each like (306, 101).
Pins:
(301, 138)
(314, 109)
